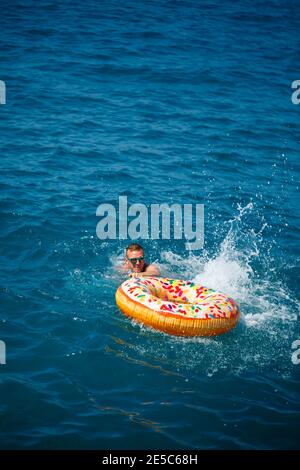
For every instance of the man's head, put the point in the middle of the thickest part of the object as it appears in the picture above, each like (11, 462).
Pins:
(135, 257)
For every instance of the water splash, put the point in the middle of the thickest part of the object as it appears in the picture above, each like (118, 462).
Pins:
(244, 268)
(241, 267)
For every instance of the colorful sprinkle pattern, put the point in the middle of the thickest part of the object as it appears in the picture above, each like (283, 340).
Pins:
(181, 298)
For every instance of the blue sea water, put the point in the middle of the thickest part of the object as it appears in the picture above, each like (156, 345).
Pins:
(163, 102)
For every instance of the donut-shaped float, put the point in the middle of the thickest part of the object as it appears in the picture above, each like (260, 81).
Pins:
(177, 307)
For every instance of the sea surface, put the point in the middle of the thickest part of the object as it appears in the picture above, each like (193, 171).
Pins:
(185, 102)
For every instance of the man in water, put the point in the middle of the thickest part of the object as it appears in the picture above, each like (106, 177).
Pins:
(134, 262)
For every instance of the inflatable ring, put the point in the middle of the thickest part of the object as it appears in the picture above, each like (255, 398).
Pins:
(177, 307)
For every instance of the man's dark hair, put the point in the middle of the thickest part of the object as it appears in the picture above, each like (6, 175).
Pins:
(134, 246)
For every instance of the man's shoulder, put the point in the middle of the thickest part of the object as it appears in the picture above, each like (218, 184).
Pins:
(152, 265)
(152, 268)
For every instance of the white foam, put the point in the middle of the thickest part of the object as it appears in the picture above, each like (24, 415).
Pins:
(261, 296)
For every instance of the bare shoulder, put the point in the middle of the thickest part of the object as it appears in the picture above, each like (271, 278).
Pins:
(152, 270)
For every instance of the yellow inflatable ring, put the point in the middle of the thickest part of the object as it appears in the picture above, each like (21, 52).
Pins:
(177, 307)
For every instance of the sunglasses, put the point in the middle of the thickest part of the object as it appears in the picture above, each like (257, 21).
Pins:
(135, 260)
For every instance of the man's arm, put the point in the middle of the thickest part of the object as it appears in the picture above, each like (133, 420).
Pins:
(151, 270)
